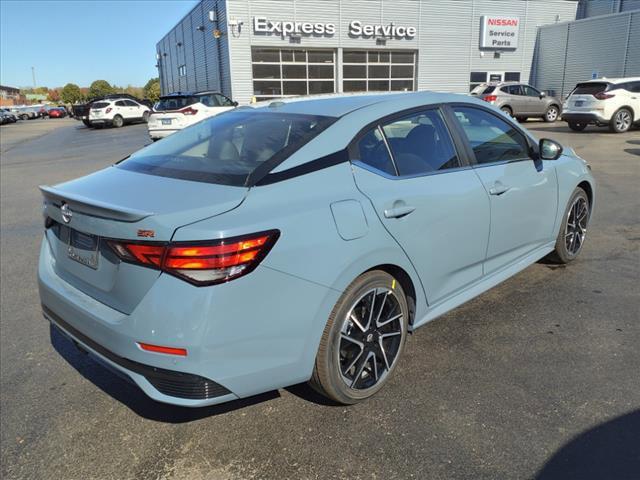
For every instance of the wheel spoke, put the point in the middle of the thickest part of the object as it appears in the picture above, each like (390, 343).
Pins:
(384, 301)
(371, 308)
(359, 370)
(389, 320)
(353, 362)
(357, 323)
(346, 337)
(384, 353)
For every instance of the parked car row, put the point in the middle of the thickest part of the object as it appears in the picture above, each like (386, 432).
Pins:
(613, 103)
(31, 112)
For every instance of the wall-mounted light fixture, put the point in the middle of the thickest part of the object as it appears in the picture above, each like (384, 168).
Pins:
(200, 28)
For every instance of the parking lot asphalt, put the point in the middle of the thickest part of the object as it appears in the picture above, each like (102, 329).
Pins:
(537, 378)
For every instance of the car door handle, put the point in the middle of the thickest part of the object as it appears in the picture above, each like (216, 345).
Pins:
(498, 189)
(398, 212)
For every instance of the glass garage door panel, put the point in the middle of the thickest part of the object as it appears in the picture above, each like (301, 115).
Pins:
(378, 70)
(291, 72)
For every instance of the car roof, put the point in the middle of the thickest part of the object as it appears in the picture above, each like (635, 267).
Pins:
(340, 104)
(612, 80)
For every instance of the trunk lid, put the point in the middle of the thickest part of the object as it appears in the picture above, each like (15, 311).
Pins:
(120, 204)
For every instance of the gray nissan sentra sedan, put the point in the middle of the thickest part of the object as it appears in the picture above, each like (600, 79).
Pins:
(301, 240)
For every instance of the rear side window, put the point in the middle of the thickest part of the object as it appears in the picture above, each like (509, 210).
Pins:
(492, 139)
(100, 104)
(121, 103)
(420, 143)
(483, 90)
(512, 89)
(174, 103)
(373, 151)
(590, 88)
(229, 147)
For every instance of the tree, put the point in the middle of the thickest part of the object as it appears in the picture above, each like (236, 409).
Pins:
(54, 95)
(152, 89)
(71, 93)
(100, 88)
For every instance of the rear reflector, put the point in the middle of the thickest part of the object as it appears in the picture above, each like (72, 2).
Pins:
(200, 263)
(160, 349)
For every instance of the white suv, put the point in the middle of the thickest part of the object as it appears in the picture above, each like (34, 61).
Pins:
(179, 110)
(117, 112)
(612, 102)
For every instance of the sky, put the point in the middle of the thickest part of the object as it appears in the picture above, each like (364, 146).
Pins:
(79, 41)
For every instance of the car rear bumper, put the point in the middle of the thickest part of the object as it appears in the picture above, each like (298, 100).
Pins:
(235, 348)
(584, 117)
(161, 132)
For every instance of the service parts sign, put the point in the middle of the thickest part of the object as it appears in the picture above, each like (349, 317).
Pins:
(499, 32)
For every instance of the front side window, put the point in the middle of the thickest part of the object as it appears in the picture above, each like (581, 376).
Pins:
(420, 143)
(223, 101)
(229, 147)
(530, 91)
(492, 139)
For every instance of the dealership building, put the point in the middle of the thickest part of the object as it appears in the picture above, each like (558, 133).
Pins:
(262, 49)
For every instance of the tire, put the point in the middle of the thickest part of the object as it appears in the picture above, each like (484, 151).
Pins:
(87, 123)
(117, 121)
(621, 121)
(571, 239)
(552, 114)
(24, 117)
(145, 117)
(577, 127)
(522, 119)
(507, 111)
(355, 359)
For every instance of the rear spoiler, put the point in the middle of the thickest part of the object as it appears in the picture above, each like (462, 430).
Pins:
(92, 207)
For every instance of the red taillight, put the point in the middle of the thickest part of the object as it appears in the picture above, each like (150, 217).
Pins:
(201, 263)
(603, 96)
(490, 98)
(108, 110)
(188, 111)
(160, 349)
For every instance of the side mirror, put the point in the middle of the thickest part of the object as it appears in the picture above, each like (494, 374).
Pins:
(235, 104)
(549, 149)
(543, 94)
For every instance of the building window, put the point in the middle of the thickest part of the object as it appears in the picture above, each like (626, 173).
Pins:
(290, 72)
(378, 70)
(476, 78)
(182, 71)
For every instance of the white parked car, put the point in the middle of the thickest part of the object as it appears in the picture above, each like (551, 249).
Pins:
(612, 102)
(117, 112)
(179, 110)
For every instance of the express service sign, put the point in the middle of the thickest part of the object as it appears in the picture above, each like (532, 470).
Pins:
(499, 32)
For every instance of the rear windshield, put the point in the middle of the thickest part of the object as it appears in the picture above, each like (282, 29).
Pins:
(174, 103)
(590, 88)
(100, 104)
(229, 147)
(483, 90)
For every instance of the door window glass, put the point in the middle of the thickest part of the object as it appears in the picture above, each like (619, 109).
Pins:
(492, 139)
(530, 91)
(420, 143)
(120, 103)
(374, 152)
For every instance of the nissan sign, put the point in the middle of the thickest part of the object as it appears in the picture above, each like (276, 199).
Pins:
(499, 32)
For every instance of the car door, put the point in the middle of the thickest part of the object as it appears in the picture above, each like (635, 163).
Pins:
(535, 104)
(522, 192)
(133, 109)
(427, 197)
(515, 99)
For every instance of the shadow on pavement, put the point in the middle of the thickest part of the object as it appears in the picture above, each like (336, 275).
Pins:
(633, 151)
(125, 391)
(609, 451)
